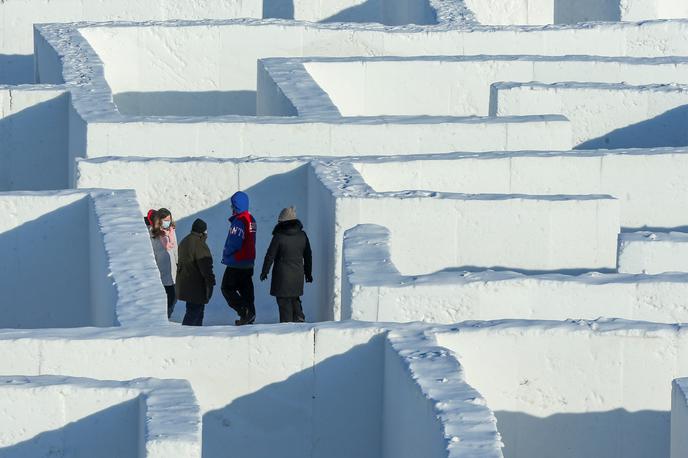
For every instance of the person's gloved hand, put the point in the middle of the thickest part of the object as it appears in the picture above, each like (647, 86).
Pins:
(309, 278)
(263, 277)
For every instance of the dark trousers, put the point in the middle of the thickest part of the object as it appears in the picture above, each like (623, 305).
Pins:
(237, 288)
(290, 310)
(194, 314)
(171, 299)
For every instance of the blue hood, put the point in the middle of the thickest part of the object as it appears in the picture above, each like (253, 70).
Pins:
(240, 202)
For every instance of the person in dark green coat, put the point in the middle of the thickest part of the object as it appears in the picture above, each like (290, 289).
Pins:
(290, 251)
(195, 277)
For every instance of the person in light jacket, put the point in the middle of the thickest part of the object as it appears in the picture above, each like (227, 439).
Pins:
(290, 251)
(195, 277)
(164, 240)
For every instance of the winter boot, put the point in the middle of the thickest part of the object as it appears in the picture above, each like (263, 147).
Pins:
(248, 319)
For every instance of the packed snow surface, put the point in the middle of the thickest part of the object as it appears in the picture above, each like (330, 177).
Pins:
(496, 190)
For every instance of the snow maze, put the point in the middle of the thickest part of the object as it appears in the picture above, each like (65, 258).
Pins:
(496, 193)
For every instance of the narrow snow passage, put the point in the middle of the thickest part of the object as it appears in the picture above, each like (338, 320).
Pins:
(570, 391)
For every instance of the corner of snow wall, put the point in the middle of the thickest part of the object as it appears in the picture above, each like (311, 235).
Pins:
(47, 61)
(679, 418)
(143, 418)
(441, 416)
(124, 280)
(272, 184)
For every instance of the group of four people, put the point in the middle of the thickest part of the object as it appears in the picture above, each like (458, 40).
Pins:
(186, 270)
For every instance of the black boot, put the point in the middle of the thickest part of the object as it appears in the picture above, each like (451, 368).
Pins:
(247, 319)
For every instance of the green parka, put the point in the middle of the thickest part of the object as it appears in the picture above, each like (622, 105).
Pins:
(195, 277)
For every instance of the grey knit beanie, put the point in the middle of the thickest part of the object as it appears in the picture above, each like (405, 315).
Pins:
(287, 214)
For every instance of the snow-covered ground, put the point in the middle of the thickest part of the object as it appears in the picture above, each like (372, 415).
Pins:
(496, 190)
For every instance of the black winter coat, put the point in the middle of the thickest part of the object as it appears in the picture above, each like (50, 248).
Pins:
(195, 278)
(290, 251)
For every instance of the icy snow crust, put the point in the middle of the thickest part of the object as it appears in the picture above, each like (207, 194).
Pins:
(524, 228)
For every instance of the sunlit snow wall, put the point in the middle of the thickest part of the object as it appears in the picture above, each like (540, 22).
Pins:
(67, 260)
(16, 61)
(373, 289)
(575, 389)
(538, 12)
(331, 391)
(19, 16)
(173, 65)
(62, 416)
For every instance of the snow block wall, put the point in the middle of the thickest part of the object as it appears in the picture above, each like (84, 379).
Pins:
(469, 224)
(603, 116)
(34, 135)
(446, 168)
(144, 418)
(271, 184)
(651, 253)
(651, 185)
(43, 232)
(374, 290)
(606, 381)
(461, 85)
(274, 391)
(540, 12)
(679, 418)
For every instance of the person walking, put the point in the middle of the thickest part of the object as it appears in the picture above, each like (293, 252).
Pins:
(290, 251)
(239, 256)
(164, 240)
(195, 277)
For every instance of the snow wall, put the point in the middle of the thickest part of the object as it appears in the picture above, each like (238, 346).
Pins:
(679, 418)
(540, 12)
(328, 202)
(42, 231)
(388, 12)
(98, 129)
(202, 189)
(575, 389)
(604, 116)
(34, 136)
(460, 85)
(648, 252)
(374, 290)
(83, 417)
(468, 224)
(272, 391)
(650, 184)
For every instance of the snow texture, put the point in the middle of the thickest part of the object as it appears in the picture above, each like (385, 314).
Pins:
(679, 418)
(84, 417)
(516, 167)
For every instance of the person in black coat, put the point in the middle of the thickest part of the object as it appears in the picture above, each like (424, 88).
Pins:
(290, 251)
(195, 277)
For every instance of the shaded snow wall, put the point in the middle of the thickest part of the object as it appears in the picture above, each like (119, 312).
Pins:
(40, 235)
(651, 185)
(34, 137)
(208, 186)
(679, 418)
(263, 393)
(97, 233)
(79, 417)
(460, 85)
(606, 116)
(374, 290)
(575, 389)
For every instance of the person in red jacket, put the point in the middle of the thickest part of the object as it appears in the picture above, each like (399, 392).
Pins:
(239, 256)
